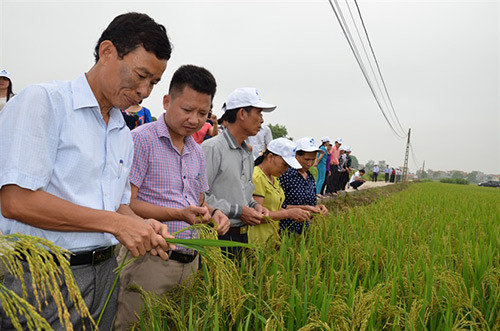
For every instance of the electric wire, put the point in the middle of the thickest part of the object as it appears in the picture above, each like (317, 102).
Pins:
(385, 96)
(376, 63)
(348, 36)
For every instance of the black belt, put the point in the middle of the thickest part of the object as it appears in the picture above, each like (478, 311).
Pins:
(90, 257)
(182, 258)
(238, 230)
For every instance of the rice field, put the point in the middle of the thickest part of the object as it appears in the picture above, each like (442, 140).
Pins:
(425, 258)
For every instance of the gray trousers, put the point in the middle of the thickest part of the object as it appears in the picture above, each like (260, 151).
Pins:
(94, 283)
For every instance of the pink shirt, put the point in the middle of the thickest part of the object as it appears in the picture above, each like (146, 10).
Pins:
(165, 177)
(199, 136)
(335, 153)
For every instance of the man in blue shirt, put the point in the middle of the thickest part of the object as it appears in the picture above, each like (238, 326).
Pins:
(65, 161)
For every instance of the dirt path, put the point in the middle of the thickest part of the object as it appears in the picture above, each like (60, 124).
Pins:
(368, 185)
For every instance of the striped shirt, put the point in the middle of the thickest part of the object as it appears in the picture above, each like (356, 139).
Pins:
(165, 177)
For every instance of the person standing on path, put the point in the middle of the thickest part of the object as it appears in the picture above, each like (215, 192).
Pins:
(320, 164)
(387, 172)
(375, 172)
(333, 179)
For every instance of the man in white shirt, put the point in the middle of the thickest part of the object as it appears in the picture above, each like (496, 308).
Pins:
(65, 162)
(357, 179)
(375, 173)
(260, 140)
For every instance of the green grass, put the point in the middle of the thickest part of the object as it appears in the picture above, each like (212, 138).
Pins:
(427, 257)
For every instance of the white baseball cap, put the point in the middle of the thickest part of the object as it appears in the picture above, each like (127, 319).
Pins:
(286, 149)
(338, 140)
(245, 97)
(308, 144)
(326, 140)
(5, 73)
(348, 149)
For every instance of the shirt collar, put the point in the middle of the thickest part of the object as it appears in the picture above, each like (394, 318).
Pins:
(83, 97)
(295, 172)
(232, 142)
(162, 132)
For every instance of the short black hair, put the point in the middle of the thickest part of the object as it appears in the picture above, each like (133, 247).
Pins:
(197, 78)
(363, 171)
(131, 30)
(230, 114)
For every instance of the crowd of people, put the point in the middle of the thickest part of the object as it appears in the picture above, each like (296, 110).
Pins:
(72, 172)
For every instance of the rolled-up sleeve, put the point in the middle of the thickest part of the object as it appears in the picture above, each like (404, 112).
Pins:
(28, 139)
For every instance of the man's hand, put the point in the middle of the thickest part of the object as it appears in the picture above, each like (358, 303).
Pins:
(139, 236)
(162, 230)
(222, 222)
(251, 216)
(190, 214)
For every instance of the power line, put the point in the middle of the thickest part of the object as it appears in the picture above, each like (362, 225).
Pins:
(376, 62)
(385, 96)
(348, 36)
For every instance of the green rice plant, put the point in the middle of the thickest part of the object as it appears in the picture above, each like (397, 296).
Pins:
(406, 257)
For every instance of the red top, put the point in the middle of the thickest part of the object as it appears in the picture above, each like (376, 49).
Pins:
(200, 135)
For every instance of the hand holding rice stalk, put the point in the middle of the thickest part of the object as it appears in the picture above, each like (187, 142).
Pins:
(198, 245)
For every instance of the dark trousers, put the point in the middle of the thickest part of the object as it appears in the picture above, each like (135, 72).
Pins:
(386, 177)
(392, 178)
(324, 182)
(333, 179)
(374, 176)
(343, 179)
(356, 184)
(234, 253)
(94, 282)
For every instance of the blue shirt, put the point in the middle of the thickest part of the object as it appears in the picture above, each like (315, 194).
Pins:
(322, 163)
(144, 116)
(298, 191)
(53, 138)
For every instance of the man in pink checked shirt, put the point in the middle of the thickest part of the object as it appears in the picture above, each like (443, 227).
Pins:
(168, 179)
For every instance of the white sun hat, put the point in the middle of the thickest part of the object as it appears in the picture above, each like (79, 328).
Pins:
(286, 149)
(348, 149)
(246, 97)
(326, 140)
(308, 144)
(338, 140)
(5, 73)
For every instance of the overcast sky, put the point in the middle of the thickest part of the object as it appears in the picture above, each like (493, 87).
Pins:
(440, 61)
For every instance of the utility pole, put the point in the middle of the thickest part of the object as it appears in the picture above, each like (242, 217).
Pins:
(423, 169)
(405, 166)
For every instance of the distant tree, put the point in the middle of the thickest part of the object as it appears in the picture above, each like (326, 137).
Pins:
(369, 165)
(457, 174)
(472, 177)
(279, 131)
(355, 162)
(381, 164)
